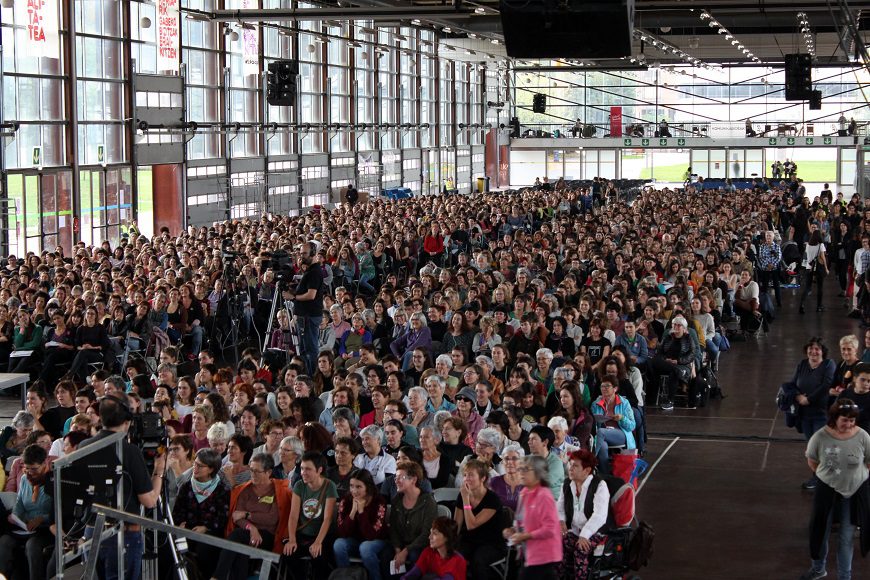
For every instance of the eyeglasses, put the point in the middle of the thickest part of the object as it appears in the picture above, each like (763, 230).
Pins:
(32, 468)
(258, 471)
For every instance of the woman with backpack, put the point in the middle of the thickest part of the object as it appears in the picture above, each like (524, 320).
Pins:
(582, 517)
(814, 267)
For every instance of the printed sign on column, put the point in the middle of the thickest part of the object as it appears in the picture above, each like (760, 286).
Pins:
(168, 21)
(40, 19)
(250, 44)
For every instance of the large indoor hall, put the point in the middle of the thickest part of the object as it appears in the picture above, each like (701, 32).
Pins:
(413, 290)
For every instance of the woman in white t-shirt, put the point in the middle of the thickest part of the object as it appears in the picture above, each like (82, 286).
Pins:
(814, 267)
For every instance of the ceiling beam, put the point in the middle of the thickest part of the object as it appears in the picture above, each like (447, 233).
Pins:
(314, 14)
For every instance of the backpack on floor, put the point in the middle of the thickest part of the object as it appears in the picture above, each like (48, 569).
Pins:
(640, 548)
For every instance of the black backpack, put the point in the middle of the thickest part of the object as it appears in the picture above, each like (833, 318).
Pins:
(640, 548)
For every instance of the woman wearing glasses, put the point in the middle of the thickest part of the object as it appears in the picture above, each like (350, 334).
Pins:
(202, 505)
(259, 512)
(838, 454)
(536, 523)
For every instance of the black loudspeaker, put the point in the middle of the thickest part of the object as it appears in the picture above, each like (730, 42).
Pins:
(816, 101)
(515, 127)
(567, 28)
(539, 103)
(798, 77)
(281, 83)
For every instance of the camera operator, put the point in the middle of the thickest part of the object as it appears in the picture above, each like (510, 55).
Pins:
(140, 488)
(308, 298)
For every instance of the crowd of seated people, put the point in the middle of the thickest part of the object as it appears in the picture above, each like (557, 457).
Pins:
(505, 346)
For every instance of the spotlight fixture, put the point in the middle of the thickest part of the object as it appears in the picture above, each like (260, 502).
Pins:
(145, 23)
(704, 16)
(804, 23)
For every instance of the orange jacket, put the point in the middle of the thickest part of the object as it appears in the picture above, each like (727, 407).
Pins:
(283, 498)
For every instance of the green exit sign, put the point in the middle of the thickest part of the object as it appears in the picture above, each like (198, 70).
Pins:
(663, 142)
(771, 141)
(828, 140)
(681, 141)
(790, 141)
(626, 142)
(644, 142)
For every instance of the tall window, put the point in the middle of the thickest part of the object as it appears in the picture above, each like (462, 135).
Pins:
(201, 46)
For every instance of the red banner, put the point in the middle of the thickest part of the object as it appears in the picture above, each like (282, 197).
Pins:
(616, 121)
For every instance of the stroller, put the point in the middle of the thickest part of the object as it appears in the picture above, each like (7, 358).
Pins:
(627, 547)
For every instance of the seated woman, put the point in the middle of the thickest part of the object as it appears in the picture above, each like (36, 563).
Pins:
(203, 505)
(486, 447)
(508, 486)
(362, 524)
(34, 507)
(346, 450)
(13, 436)
(60, 348)
(254, 521)
(453, 433)
(440, 561)
(411, 517)
(437, 466)
(582, 531)
(310, 529)
(290, 451)
(615, 422)
(478, 514)
(239, 450)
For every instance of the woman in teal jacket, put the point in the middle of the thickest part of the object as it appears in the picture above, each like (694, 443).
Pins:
(615, 420)
(28, 336)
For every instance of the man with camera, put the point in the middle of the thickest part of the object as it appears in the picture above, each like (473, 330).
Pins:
(308, 309)
(140, 488)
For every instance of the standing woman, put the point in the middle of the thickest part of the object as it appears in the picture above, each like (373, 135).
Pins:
(838, 454)
(814, 267)
(813, 379)
(536, 524)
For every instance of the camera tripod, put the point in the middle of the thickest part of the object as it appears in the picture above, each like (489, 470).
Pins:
(233, 297)
(177, 546)
(288, 306)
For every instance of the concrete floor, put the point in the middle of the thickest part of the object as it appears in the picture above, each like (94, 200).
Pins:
(723, 492)
(725, 496)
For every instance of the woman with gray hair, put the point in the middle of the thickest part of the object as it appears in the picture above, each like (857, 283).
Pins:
(291, 451)
(13, 438)
(508, 485)
(486, 450)
(436, 465)
(203, 505)
(418, 336)
(218, 436)
(536, 523)
(418, 416)
(443, 366)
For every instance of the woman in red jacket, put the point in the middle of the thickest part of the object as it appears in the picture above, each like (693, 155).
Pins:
(362, 524)
(433, 245)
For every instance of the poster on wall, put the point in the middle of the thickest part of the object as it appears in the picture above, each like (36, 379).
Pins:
(616, 121)
(250, 44)
(41, 22)
(167, 35)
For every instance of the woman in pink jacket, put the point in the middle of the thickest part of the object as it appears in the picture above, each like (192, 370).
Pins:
(536, 529)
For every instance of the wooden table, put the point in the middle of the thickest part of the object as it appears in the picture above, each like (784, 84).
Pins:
(9, 380)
